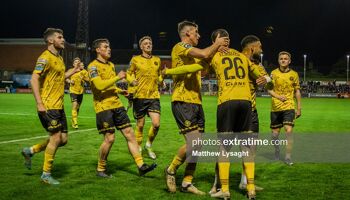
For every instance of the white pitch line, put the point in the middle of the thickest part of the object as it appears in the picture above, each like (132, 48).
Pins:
(28, 114)
(16, 114)
(37, 137)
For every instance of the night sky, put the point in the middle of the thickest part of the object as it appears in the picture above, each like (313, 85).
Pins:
(318, 28)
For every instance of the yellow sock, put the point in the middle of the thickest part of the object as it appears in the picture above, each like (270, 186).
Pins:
(138, 135)
(138, 160)
(48, 160)
(189, 171)
(224, 174)
(175, 164)
(75, 116)
(249, 168)
(101, 166)
(151, 135)
(40, 147)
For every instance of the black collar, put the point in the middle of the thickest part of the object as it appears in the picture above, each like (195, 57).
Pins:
(102, 61)
(53, 53)
(288, 70)
(146, 57)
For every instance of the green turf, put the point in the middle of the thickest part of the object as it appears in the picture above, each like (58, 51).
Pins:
(75, 163)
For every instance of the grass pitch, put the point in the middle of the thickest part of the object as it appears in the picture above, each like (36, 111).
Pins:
(75, 163)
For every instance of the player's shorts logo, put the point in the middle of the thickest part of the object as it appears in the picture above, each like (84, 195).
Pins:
(105, 125)
(54, 122)
(187, 123)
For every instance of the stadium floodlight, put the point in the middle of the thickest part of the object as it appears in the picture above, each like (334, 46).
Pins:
(347, 68)
(261, 58)
(305, 67)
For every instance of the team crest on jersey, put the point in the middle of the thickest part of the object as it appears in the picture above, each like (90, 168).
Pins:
(93, 72)
(291, 78)
(187, 123)
(105, 125)
(156, 63)
(54, 122)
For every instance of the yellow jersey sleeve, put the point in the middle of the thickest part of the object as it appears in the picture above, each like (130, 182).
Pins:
(41, 64)
(184, 69)
(85, 75)
(296, 83)
(102, 79)
(132, 66)
(253, 85)
(184, 49)
(77, 82)
(51, 69)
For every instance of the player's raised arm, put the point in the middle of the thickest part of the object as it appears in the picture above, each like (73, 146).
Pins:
(209, 51)
(184, 69)
(70, 72)
(104, 84)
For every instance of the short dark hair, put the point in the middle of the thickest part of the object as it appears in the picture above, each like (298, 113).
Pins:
(248, 40)
(144, 38)
(96, 43)
(183, 24)
(222, 32)
(50, 31)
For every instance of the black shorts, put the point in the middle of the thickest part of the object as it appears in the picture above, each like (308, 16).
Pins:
(130, 97)
(141, 107)
(234, 116)
(54, 120)
(76, 97)
(254, 123)
(281, 118)
(109, 120)
(188, 116)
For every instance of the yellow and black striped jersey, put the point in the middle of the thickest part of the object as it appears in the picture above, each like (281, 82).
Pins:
(187, 87)
(77, 81)
(284, 83)
(131, 89)
(254, 86)
(146, 72)
(51, 69)
(232, 71)
(103, 99)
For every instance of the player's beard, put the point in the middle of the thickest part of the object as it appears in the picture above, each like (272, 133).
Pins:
(59, 46)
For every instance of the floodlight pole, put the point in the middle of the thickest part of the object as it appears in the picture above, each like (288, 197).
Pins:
(347, 68)
(305, 67)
